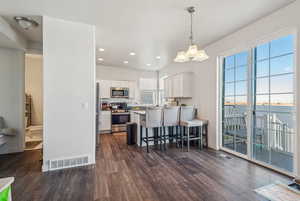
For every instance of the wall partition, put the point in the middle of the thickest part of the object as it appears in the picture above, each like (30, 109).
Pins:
(258, 108)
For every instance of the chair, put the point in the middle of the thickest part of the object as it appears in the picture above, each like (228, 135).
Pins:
(153, 120)
(170, 120)
(4, 130)
(188, 121)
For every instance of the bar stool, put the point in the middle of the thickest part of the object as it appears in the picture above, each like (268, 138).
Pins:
(188, 121)
(170, 120)
(153, 120)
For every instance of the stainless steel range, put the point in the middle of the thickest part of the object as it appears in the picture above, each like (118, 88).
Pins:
(119, 117)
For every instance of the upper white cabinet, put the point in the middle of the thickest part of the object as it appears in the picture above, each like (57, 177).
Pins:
(105, 88)
(179, 86)
(132, 85)
(168, 87)
(117, 83)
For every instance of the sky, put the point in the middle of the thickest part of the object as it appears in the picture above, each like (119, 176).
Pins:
(274, 73)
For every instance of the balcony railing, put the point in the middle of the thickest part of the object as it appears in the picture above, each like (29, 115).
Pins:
(270, 132)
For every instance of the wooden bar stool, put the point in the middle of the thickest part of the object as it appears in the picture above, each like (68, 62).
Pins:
(152, 120)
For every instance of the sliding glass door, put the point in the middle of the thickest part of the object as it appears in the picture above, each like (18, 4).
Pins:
(235, 102)
(258, 110)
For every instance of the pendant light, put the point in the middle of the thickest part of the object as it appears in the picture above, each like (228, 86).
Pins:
(192, 53)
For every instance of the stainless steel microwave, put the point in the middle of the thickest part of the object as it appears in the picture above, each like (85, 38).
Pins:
(119, 92)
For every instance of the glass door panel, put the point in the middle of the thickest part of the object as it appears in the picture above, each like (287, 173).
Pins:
(235, 102)
(273, 107)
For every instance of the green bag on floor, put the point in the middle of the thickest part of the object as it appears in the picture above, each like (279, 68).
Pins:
(4, 194)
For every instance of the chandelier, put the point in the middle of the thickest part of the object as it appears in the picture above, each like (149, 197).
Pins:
(193, 53)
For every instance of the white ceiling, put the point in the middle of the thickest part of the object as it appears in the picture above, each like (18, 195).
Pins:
(149, 27)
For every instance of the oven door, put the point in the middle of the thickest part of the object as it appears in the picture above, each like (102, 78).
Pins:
(120, 118)
(119, 122)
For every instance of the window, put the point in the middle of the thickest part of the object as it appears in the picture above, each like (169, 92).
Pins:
(148, 97)
(148, 92)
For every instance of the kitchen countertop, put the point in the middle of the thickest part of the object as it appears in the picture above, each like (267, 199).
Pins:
(140, 112)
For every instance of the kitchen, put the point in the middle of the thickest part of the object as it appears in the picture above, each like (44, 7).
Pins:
(124, 102)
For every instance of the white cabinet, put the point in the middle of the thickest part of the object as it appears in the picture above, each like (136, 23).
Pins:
(105, 121)
(105, 88)
(168, 87)
(179, 86)
(121, 84)
(132, 85)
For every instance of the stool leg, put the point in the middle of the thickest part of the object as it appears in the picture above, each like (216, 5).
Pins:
(147, 140)
(171, 134)
(188, 139)
(181, 136)
(201, 137)
(159, 138)
(164, 132)
(176, 137)
(165, 140)
(156, 137)
(141, 136)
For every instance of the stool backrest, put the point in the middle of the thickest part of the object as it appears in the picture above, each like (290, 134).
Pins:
(187, 113)
(2, 123)
(171, 116)
(154, 117)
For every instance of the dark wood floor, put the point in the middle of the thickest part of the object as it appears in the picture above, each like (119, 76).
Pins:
(125, 173)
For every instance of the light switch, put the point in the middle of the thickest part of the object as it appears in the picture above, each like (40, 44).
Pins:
(85, 105)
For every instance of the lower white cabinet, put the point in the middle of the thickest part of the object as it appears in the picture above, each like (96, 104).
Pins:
(179, 85)
(105, 121)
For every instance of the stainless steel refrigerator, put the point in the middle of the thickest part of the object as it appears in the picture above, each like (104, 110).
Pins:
(98, 110)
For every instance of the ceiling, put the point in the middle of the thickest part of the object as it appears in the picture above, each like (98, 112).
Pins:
(149, 28)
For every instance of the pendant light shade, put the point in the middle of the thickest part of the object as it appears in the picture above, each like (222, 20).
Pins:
(201, 56)
(192, 53)
(181, 57)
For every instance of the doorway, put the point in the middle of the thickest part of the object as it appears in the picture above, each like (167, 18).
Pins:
(33, 101)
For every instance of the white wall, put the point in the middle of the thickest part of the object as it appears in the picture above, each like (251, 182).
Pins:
(207, 72)
(34, 85)
(69, 90)
(12, 97)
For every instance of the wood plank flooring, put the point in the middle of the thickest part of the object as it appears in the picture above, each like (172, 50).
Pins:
(127, 173)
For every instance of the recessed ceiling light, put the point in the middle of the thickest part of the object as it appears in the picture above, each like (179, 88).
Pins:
(100, 59)
(101, 49)
(132, 53)
(26, 23)
(157, 57)
(148, 64)
(125, 62)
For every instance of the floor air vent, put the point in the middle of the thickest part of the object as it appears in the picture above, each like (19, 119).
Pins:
(68, 163)
(224, 156)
